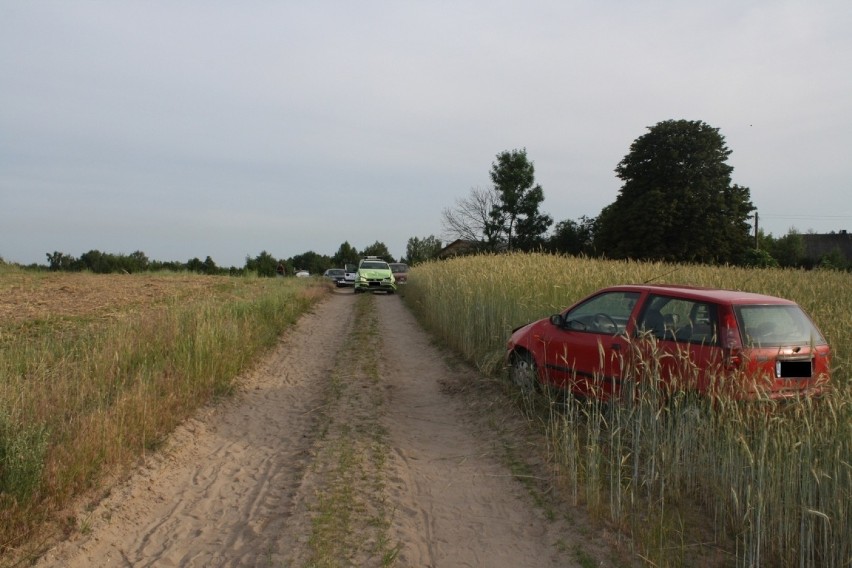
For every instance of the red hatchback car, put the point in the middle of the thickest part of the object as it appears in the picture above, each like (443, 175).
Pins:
(748, 346)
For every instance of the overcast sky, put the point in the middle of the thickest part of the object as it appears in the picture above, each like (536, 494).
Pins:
(219, 128)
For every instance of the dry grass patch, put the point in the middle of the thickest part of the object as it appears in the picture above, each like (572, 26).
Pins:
(95, 370)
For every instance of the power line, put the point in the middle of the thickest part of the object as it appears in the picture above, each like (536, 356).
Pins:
(806, 217)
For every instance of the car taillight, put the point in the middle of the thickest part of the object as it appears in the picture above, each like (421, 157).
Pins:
(733, 358)
(731, 342)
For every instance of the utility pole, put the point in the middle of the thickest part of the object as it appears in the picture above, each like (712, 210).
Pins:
(756, 241)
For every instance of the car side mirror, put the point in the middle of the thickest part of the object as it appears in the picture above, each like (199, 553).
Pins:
(557, 320)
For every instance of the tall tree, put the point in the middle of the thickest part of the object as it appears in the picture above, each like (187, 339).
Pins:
(788, 250)
(209, 267)
(420, 250)
(311, 261)
(264, 264)
(60, 261)
(573, 237)
(677, 202)
(516, 216)
(380, 250)
(346, 254)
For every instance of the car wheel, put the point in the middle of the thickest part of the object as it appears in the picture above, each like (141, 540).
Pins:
(523, 372)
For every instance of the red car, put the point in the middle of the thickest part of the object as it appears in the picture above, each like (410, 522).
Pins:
(400, 272)
(745, 345)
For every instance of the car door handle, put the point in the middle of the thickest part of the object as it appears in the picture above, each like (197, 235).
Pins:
(616, 347)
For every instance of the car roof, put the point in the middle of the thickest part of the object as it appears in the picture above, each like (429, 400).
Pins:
(718, 295)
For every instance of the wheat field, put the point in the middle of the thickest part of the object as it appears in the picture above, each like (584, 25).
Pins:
(748, 487)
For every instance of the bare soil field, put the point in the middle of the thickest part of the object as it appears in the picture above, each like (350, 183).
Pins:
(24, 297)
(355, 442)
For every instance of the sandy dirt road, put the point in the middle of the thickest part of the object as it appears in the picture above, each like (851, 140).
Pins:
(370, 418)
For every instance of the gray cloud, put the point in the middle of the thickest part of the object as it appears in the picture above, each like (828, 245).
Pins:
(224, 129)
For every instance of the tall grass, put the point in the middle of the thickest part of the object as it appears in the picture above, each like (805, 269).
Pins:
(82, 397)
(765, 486)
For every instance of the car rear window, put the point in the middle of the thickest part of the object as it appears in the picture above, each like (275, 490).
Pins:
(776, 326)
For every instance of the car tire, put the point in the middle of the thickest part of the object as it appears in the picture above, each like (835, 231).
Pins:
(523, 373)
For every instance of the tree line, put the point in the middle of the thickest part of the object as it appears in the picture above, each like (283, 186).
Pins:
(263, 264)
(677, 203)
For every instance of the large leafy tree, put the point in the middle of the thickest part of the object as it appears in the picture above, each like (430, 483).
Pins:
(420, 250)
(677, 202)
(311, 261)
(61, 261)
(380, 250)
(516, 214)
(788, 250)
(573, 237)
(346, 254)
(264, 264)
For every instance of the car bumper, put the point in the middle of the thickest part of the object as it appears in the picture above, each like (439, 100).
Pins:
(375, 286)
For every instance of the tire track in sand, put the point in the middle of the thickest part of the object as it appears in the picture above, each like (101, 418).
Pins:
(240, 484)
(222, 491)
(458, 505)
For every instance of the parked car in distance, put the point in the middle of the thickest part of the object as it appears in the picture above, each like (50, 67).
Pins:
(400, 271)
(715, 342)
(302, 274)
(336, 275)
(374, 274)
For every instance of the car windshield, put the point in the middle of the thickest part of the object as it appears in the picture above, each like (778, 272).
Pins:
(776, 326)
(399, 267)
(374, 265)
(336, 272)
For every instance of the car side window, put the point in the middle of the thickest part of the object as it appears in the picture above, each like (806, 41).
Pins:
(679, 319)
(606, 313)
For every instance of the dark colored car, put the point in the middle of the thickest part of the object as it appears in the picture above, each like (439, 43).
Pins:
(337, 275)
(400, 271)
(718, 342)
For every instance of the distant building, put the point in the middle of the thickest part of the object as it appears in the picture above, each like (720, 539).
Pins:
(817, 246)
(459, 247)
